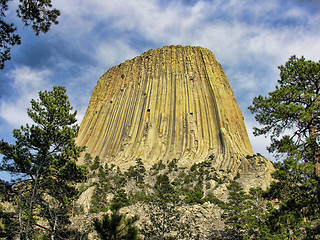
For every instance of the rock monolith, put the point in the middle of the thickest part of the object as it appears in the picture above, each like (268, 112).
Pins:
(169, 103)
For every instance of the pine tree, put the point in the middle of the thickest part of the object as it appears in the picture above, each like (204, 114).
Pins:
(116, 227)
(163, 213)
(291, 116)
(245, 214)
(43, 159)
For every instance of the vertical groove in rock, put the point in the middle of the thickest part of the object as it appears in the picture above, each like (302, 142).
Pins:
(173, 102)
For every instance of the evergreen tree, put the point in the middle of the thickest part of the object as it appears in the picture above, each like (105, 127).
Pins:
(119, 200)
(245, 214)
(44, 160)
(116, 227)
(164, 191)
(96, 163)
(136, 171)
(291, 116)
(87, 159)
(165, 218)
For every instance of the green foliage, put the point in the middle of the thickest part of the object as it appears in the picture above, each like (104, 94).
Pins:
(164, 190)
(8, 223)
(120, 200)
(245, 215)
(116, 227)
(140, 196)
(110, 181)
(156, 167)
(298, 211)
(164, 222)
(194, 195)
(213, 199)
(44, 157)
(162, 210)
(96, 163)
(37, 13)
(119, 180)
(137, 171)
(290, 115)
(172, 165)
(87, 159)
(202, 171)
(99, 202)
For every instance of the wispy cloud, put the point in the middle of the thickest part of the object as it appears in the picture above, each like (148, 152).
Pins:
(27, 83)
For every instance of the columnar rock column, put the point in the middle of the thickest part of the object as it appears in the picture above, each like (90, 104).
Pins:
(169, 103)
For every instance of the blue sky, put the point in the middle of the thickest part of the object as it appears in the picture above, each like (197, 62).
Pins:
(249, 38)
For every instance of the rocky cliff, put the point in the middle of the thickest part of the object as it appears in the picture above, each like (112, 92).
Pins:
(169, 103)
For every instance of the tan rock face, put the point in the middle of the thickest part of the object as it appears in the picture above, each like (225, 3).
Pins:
(173, 102)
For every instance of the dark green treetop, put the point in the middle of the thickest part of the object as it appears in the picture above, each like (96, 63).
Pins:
(37, 13)
(116, 226)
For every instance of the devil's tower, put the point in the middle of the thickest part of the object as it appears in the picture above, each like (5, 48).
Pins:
(169, 103)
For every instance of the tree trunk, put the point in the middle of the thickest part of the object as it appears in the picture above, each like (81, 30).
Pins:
(54, 228)
(20, 219)
(317, 170)
(315, 150)
(31, 205)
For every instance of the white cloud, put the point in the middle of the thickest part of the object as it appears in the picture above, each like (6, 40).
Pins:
(242, 81)
(27, 83)
(233, 29)
(108, 54)
(295, 13)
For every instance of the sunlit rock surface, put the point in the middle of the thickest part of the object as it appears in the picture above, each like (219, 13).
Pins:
(169, 103)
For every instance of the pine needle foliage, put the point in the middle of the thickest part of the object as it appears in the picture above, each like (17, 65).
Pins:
(43, 162)
(290, 115)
